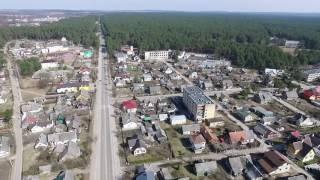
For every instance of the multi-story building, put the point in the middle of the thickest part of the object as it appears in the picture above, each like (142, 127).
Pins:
(155, 55)
(200, 105)
(312, 75)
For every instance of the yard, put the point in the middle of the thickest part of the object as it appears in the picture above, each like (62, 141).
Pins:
(30, 93)
(155, 153)
(5, 169)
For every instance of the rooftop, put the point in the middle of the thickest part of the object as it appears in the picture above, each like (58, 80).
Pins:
(197, 95)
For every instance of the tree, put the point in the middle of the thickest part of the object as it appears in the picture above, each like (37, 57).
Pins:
(29, 66)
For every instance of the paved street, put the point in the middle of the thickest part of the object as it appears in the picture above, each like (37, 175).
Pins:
(105, 163)
(16, 118)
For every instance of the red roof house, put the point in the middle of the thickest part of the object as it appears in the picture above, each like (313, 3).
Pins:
(130, 106)
(312, 94)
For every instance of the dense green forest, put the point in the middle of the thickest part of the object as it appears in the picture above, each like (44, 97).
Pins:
(242, 38)
(79, 30)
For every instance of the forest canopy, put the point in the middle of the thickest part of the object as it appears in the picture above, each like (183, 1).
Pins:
(242, 38)
(79, 30)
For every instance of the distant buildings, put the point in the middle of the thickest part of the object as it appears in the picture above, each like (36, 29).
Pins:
(156, 55)
(200, 105)
(291, 44)
(311, 75)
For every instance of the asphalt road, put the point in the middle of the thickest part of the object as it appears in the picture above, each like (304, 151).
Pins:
(105, 163)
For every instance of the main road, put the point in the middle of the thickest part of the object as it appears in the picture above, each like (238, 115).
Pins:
(16, 118)
(105, 162)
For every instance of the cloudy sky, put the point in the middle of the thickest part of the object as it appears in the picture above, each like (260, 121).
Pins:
(179, 5)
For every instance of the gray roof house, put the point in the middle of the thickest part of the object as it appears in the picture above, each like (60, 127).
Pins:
(236, 166)
(66, 175)
(145, 175)
(190, 129)
(156, 89)
(290, 95)
(227, 84)
(4, 146)
(62, 138)
(72, 151)
(138, 88)
(205, 168)
(136, 145)
(263, 97)
(42, 142)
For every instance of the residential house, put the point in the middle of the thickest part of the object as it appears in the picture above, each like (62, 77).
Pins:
(215, 122)
(4, 146)
(261, 112)
(290, 95)
(138, 88)
(48, 64)
(130, 106)
(147, 77)
(163, 117)
(42, 142)
(242, 137)
(40, 125)
(263, 97)
(190, 129)
(266, 131)
(66, 175)
(205, 168)
(198, 143)
(62, 138)
(311, 75)
(145, 175)
(178, 119)
(252, 172)
(31, 107)
(136, 145)
(154, 90)
(121, 57)
(302, 120)
(312, 94)
(207, 85)
(160, 135)
(3, 97)
(129, 121)
(227, 84)
(72, 151)
(209, 135)
(168, 71)
(235, 166)
(244, 115)
(273, 163)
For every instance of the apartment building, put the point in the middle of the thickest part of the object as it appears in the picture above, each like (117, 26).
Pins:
(312, 75)
(155, 55)
(200, 105)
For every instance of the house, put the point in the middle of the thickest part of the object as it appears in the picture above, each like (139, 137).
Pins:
(120, 83)
(190, 129)
(273, 163)
(163, 117)
(252, 172)
(205, 168)
(291, 44)
(145, 175)
(66, 175)
(244, 115)
(216, 122)
(168, 71)
(156, 89)
(209, 135)
(4, 146)
(302, 120)
(136, 145)
(120, 57)
(263, 97)
(3, 97)
(147, 77)
(261, 112)
(207, 85)
(31, 107)
(129, 121)
(40, 126)
(193, 75)
(73, 87)
(198, 143)
(242, 137)
(130, 106)
(160, 135)
(62, 138)
(311, 75)
(227, 84)
(290, 95)
(48, 64)
(265, 131)
(72, 151)
(273, 72)
(312, 94)
(178, 119)
(42, 142)
(235, 166)
(138, 88)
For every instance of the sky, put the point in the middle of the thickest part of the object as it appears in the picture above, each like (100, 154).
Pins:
(302, 6)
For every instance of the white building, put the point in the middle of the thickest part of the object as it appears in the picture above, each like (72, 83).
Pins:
(312, 75)
(291, 44)
(49, 64)
(121, 57)
(178, 119)
(156, 55)
(200, 105)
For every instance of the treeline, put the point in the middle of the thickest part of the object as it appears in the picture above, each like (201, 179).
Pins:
(242, 38)
(79, 30)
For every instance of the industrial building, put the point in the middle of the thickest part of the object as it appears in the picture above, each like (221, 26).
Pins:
(155, 55)
(200, 105)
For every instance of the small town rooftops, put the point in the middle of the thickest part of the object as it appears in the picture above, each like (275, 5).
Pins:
(130, 104)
